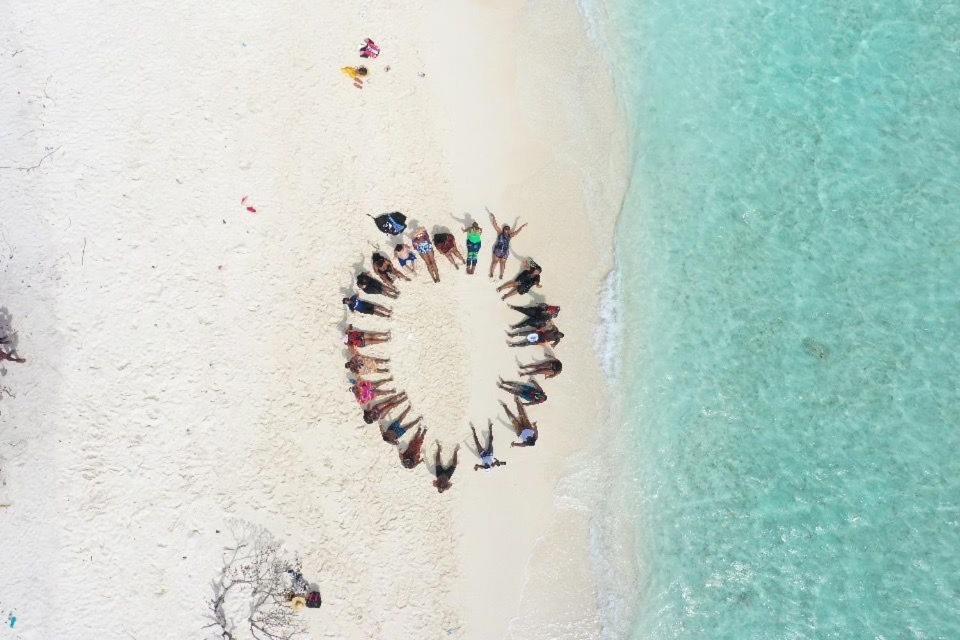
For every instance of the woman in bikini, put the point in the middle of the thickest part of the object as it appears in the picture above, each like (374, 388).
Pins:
(406, 257)
(384, 407)
(527, 431)
(357, 74)
(501, 247)
(411, 456)
(358, 305)
(421, 242)
(549, 368)
(540, 336)
(385, 269)
(444, 474)
(396, 429)
(366, 391)
(370, 285)
(486, 453)
(537, 315)
(364, 365)
(473, 246)
(528, 278)
(447, 245)
(528, 392)
(357, 339)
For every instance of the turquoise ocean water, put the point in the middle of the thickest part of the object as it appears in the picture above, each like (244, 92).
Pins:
(789, 258)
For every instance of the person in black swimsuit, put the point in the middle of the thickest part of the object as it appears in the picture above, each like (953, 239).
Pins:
(549, 368)
(537, 315)
(444, 474)
(528, 278)
(385, 269)
(370, 285)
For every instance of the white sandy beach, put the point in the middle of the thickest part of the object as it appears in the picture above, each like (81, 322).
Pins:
(185, 369)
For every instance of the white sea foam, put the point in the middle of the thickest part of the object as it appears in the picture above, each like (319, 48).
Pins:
(609, 332)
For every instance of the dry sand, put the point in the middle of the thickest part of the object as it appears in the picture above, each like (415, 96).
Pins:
(184, 369)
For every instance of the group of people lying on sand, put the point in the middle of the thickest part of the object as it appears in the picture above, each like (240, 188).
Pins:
(380, 399)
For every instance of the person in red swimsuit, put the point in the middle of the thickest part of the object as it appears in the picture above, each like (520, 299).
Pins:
(447, 245)
(357, 339)
(411, 456)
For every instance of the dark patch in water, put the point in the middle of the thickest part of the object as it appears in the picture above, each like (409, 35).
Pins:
(815, 349)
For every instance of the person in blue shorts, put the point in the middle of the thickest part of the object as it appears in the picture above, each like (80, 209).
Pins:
(358, 305)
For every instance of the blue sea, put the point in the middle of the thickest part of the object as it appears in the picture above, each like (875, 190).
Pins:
(789, 274)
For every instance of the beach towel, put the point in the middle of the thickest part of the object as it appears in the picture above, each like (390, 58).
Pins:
(393, 223)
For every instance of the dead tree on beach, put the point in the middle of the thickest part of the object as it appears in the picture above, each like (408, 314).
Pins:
(251, 596)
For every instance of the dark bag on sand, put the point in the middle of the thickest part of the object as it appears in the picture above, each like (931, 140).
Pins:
(313, 600)
(393, 223)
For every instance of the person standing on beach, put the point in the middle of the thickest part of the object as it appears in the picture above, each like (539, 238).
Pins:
(538, 315)
(549, 368)
(447, 245)
(385, 269)
(529, 392)
(527, 431)
(406, 257)
(541, 336)
(411, 456)
(357, 339)
(444, 474)
(473, 246)
(371, 286)
(384, 407)
(501, 247)
(421, 242)
(364, 365)
(396, 429)
(358, 305)
(485, 453)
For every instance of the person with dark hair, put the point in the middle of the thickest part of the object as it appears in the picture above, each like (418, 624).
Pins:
(411, 456)
(501, 247)
(356, 339)
(540, 336)
(537, 315)
(9, 356)
(364, 365)
(527, 431)
(369, 49)
(486, 453)
(406, 257)
(528, 278)
(358, 305)
(421, 242)
(385, 269)
(549, 368)
(357, 74)
(383, 408)
(447, 245)
(396, 429)
(444, 474)
(370, 285)
(366, 391)
(473, 246)
(529, 392)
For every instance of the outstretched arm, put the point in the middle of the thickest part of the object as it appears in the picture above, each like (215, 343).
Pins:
(518, 230)
(493, 219)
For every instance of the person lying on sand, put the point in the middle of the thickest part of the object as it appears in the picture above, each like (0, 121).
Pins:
(541, 336)
(9, 356)
(527, 431)
(549, 368)
(444, 474)
(410, 457)
(369, 49)
(364, 365)
(529, 392)
(538, 315)
(385, 269)
(383, 408)
(486, 453)
(357, 339)
(421, 242)
(370, 285)
(528, 278)
(357, 74)
(447, 245)
(406, 257)
(366, 391)
(501, 246)
(358, 305)
(473, 246)
(396, 429)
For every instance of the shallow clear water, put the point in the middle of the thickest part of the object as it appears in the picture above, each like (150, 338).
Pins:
(790, 260)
